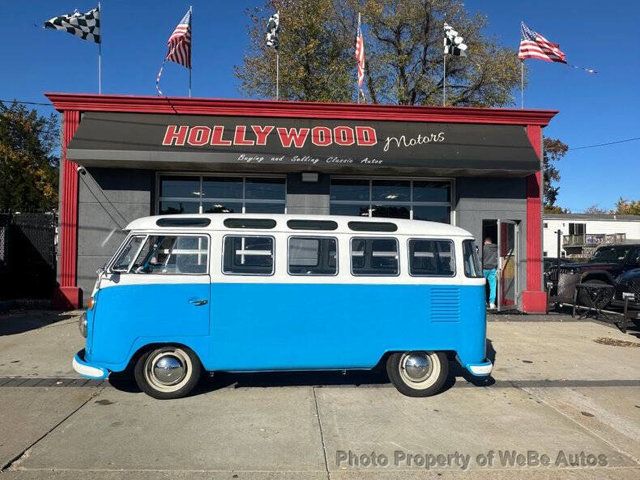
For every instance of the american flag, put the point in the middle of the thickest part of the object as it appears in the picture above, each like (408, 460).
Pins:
(534, 45)
(360, 54)
(179, 43)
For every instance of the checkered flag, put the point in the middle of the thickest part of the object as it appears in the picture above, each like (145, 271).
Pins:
(273, 31)
(453, 42)
(83, 25)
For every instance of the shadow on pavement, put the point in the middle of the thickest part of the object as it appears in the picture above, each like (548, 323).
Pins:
(16, 322)
(124, 382)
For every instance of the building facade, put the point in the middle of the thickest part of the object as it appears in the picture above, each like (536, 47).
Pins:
(126, 157)
(581, 234)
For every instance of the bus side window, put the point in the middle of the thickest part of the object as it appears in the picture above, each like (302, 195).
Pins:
(431, 258)
(374, 256)
(247, 255)
(312, 256)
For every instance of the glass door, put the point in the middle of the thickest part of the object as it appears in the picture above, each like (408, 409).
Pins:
(507, 265)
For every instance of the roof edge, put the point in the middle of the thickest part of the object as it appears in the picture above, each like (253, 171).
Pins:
(272, 108)
(607, 217)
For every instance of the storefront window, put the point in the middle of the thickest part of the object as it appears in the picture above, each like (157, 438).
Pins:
(219, 187)
(350, 190)
(196, 194)
(420, 200)
(431, 191)
(181, 187)
(355, 210)
(167, 208)
(390, 191)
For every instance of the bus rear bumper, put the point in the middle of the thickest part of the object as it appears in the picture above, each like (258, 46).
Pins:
(87, 370)
(478, 369)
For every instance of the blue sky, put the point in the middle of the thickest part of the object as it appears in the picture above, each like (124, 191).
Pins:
(593, 108)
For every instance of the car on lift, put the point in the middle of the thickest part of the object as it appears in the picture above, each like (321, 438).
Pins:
(605, 267)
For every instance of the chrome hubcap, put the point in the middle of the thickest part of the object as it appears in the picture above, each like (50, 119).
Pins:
(416, 366)
(168, 369)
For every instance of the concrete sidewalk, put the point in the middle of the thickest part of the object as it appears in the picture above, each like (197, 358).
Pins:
(567, 390)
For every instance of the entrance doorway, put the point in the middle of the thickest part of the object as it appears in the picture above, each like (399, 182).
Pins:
(505, 233)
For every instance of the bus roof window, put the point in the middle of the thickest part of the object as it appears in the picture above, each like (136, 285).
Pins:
(373, 226)
(312, 225)
(257, 223)
(183, 222)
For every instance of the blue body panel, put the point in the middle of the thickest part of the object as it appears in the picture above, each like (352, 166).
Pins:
(128, 317)
(286, 326)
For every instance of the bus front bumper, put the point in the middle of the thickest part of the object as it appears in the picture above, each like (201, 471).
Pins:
(478, 369)
(87, 370)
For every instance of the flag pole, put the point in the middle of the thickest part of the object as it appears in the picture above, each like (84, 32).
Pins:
(100, 54)
(357, 79)
(522, 84)
(278, 60)
(444, 80)
(191, 48)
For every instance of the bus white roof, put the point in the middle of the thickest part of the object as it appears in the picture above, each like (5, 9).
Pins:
(405, 227)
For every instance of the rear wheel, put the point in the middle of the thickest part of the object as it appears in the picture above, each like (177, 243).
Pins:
(418, 374)
(167, 372)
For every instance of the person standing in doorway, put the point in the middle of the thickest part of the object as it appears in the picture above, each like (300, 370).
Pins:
(490, 268)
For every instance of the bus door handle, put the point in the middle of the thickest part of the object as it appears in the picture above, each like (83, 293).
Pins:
(198, 302)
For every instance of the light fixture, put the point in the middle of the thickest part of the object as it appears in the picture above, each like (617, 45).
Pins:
(310, 177)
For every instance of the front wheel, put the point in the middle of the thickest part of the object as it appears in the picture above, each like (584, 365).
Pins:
(167, 372)
(418, 374)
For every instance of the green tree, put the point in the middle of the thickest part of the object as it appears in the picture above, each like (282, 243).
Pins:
(405, 56)
(554, 150)
(28, 160)
(627, 207)
(404, 51)
(316, 56)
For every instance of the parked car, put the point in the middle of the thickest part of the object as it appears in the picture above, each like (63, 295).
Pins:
(606, 265)
(548, 262)
(628, 283)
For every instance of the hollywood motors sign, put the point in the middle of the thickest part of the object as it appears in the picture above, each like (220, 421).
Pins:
(337, 143)
(290, 137)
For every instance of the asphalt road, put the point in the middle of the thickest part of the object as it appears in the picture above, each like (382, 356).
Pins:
(564, 402)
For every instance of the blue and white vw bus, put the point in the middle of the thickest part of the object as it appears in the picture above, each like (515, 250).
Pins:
(245, 293)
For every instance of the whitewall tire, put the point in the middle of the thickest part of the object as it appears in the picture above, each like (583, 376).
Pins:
(167, 372)
(418, 373)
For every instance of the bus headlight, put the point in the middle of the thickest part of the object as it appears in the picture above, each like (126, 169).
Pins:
(82, 325)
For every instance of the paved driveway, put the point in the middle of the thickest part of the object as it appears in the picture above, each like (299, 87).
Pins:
(565, 394)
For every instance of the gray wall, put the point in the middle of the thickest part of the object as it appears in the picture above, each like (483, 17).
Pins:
(108, 200)
(477, 199)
